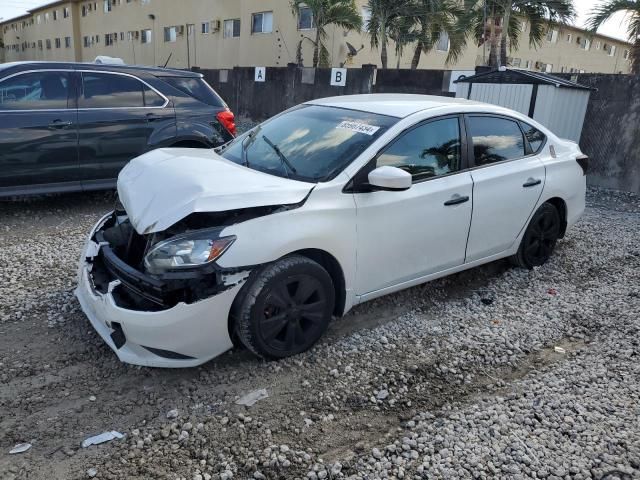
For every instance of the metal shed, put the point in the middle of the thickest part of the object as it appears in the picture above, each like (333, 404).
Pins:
(558, 104)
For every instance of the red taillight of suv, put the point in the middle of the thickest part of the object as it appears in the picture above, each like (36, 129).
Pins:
(227, 119)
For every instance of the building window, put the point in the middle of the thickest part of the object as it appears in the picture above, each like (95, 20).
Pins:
(262, 22)
(55, 15)
(39, 44)
(527, 64)
(231, 28)
(46, 17)
(86, 42)
(108, 39)
(107, 6)
(205, 27)
(170, 34)
(598, 44)
(67, 42)
(584, 43)
(58, 43)
(65, 12)
(84, 10)
(443, 42)
(305, 18)
(516, 62)
(610, 49)
(48, 43)
(625, 54)
(569, 38)
(552, 36)
(145, 36)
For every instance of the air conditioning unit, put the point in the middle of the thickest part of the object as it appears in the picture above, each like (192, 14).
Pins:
(215, 25)
(180, 30)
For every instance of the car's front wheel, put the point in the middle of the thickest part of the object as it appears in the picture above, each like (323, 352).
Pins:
(539, 239)
(285, 308)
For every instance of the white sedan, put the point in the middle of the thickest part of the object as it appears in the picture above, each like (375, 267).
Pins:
(329, 204)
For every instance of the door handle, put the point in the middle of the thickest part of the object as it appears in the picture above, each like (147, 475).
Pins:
(456, 200)
(152, 117)
(56, 124)
(532, 182)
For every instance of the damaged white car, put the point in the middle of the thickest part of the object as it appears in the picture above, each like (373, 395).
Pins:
(324, 206)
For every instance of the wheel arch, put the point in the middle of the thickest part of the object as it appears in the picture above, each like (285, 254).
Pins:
(561, 207)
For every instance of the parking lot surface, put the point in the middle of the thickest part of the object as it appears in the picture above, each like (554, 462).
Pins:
(490, 373)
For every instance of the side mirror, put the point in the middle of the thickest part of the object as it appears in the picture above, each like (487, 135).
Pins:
(390, 179)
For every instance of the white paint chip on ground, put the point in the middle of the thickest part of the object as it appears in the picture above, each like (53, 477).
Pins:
(251, 398)
(103, 437)
(358, 127)
(560, 350)
(20, 448)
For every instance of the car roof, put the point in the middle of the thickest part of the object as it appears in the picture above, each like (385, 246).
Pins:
(392, 104)
(156, 71)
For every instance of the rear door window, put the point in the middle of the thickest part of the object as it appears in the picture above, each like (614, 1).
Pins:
(108, 90)
(196, 88)
(46, 90)
(495, 139)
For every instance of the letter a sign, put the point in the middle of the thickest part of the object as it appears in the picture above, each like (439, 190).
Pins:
(338, 77)
(260, 74)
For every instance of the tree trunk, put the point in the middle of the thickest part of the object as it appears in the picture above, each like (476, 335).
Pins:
(505, 34)
(493, 45)
(416, 55)
(635, 57)
(383, 53)
(316, 50)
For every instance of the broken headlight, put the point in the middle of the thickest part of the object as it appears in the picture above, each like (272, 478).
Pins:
(187, 251)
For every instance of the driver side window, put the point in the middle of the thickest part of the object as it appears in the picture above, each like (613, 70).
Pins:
(426, 151)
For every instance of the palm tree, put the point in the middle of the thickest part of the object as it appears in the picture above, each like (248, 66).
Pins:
(342, 13)
(434, 18)
(499, 22)
(381, 24)
(402, 33)
(631, 8)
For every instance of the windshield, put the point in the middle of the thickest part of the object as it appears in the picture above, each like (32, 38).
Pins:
(310, 143)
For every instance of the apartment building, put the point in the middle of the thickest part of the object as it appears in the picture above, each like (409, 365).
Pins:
(228, 33)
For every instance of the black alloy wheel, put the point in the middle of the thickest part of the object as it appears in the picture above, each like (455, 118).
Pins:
(286, 308)
(540, 238)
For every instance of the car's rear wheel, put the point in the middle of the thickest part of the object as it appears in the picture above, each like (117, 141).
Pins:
(285, 308)
(539, 239)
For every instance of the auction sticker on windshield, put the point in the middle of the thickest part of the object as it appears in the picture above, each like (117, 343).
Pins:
(358, 127)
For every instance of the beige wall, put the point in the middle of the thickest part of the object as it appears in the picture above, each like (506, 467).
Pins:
(212, 50)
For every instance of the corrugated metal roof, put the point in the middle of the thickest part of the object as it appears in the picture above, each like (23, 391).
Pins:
(515, 76)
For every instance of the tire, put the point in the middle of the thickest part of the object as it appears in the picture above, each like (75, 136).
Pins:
(285, 308)
(539, 239)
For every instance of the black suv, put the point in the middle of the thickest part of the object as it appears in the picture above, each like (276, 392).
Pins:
(73, 126)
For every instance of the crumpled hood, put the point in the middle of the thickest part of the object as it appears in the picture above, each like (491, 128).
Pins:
(163, 186)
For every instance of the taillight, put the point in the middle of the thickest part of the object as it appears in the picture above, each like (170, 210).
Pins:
(583, 161)
(227, 119)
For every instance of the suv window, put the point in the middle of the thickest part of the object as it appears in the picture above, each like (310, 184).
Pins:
(426, 151)
(495, 139)
(108, 90)
(35, 91)
(534, 136)
(196, 88)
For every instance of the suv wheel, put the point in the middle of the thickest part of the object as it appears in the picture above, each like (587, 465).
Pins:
(539, 239)
(286, 308)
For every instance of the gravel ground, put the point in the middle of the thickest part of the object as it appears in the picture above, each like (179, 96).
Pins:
(490, 373)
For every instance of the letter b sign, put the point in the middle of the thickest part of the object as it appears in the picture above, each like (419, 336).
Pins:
(338, 77)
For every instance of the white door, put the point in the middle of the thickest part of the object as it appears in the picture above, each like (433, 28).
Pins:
(508, 181)
(408, 234)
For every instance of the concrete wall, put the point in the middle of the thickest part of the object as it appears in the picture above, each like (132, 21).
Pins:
(611, 131)
(288, 86)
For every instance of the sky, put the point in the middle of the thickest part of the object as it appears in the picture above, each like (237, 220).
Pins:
(614, 28)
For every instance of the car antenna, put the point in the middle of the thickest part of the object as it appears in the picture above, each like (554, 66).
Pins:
(167, 62)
